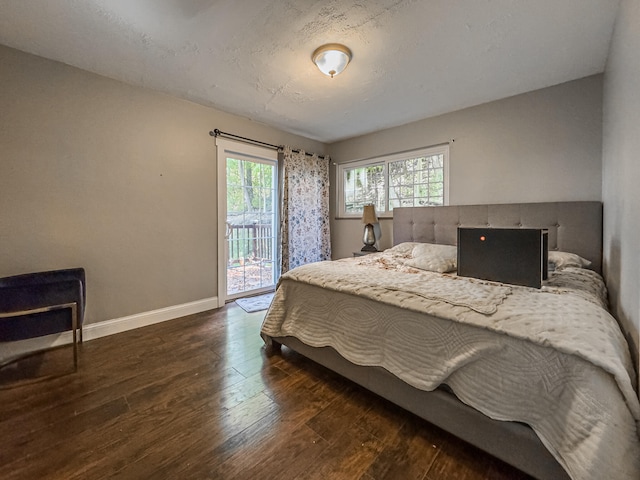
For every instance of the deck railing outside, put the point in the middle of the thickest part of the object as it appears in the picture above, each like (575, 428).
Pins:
(251, 263)
(249, 242)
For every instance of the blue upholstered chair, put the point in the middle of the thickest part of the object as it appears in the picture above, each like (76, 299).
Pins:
(43, 303)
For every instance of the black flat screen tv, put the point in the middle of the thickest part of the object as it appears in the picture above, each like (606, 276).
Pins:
(516, 256)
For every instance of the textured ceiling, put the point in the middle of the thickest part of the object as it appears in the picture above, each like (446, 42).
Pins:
(411, 59)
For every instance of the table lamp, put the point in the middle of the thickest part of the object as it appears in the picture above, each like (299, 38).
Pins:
(369, 218)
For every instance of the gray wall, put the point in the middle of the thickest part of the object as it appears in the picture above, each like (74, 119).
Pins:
(544, 145)
(621, 171)
(118, 179)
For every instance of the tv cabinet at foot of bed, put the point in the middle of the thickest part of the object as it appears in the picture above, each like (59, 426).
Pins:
(511, 442)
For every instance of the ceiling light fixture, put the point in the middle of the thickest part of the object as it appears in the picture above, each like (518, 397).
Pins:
(331, 58)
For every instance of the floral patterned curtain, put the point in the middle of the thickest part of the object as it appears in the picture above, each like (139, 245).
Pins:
(304, 209)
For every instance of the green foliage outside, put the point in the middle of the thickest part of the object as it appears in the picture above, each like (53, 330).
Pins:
(411, 183)
(249, 186)
(250, 216)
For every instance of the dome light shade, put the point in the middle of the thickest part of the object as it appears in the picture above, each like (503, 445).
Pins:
(331, 58)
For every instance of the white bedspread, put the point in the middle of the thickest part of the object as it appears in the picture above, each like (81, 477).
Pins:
(552, 358)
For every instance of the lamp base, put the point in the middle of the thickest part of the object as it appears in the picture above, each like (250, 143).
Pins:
(369, 239)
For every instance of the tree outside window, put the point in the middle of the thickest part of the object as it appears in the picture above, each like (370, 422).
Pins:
(409, 179)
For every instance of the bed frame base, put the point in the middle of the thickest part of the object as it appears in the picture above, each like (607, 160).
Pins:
(511, 442)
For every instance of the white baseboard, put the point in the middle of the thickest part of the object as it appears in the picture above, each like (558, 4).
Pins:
(108, 327)
(118, 325)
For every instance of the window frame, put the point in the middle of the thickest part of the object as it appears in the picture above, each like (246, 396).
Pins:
(385, 160)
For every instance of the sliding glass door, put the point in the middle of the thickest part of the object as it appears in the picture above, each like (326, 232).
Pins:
(251, 226)
(249, 221)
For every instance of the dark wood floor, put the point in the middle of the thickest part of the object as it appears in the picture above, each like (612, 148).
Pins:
(198, 398)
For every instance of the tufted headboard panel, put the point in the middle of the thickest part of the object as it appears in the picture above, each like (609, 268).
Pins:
(573, 226)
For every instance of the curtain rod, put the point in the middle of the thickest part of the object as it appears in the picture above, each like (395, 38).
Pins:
(218, 133)
(395, 153)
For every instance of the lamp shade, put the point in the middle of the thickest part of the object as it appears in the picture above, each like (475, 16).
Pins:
(331, 58)
(369, 214)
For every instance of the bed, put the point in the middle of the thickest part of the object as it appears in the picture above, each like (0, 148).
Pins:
(542, 380)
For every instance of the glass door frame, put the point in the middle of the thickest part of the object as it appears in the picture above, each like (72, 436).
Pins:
(229, 148)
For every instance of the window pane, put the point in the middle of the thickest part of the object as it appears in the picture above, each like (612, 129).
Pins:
(416, 181)
(363, 185)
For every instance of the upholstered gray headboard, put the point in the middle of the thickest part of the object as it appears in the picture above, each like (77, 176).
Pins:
(573, 226)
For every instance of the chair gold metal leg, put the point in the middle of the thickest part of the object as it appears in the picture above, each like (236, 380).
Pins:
(74, 327)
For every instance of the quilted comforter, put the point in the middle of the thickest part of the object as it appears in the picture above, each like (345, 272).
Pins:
(552, 358)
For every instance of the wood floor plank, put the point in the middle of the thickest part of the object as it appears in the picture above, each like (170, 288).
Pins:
(207, 460)
(349, 457)
(78, 401)
(345, 411)
(409, 455)
(187, 442)
(50, 439)
(458, 461)
(383, 419)
(280, 449)
(199, 397)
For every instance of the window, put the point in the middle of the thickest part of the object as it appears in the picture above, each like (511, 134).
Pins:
(408, 179)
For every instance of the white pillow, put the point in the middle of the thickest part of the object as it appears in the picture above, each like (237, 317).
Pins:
(404, 248)
(561, 260)
(434, 257)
